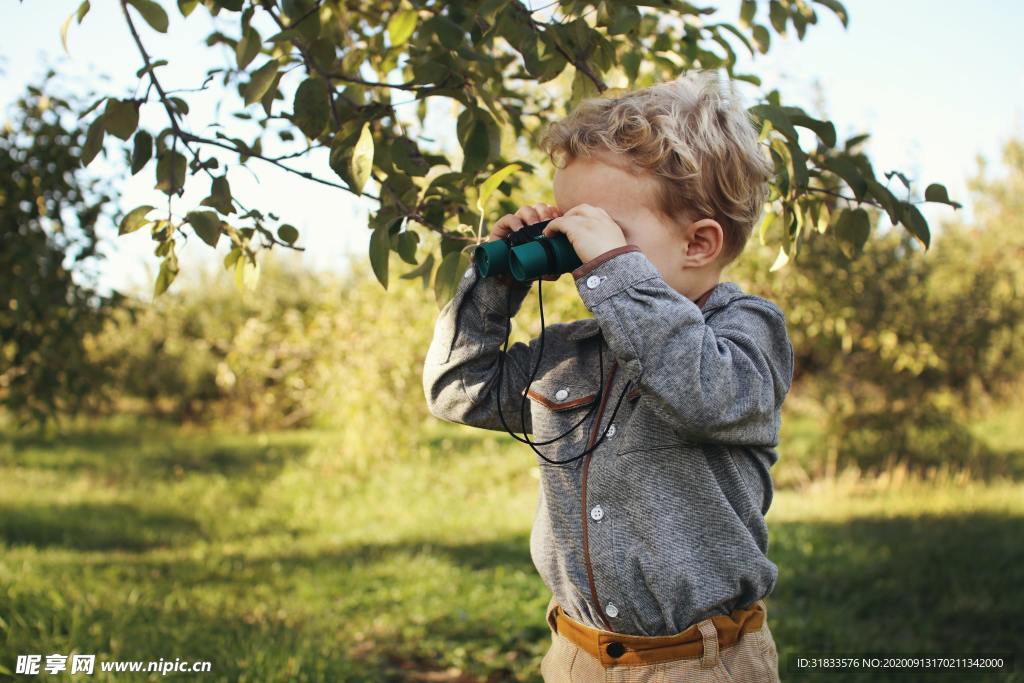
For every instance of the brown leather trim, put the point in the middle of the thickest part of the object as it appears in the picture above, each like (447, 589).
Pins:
(560, 405)
(598, 260)
(633, 393)
(594, 426)
(643, 650)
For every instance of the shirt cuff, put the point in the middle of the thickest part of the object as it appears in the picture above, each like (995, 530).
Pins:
(620, 270)
(598, 260)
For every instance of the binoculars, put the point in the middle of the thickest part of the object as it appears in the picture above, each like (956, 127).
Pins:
(526, 254)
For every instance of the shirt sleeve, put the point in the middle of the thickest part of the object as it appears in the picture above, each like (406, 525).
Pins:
(460, 380)
(723, 383)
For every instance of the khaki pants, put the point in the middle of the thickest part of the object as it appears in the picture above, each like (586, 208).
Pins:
(752, 658)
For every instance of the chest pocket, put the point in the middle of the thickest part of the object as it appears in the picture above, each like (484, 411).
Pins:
(645, 429)
(557, 408)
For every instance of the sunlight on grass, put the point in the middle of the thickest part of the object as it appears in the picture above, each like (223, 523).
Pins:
(270, 556)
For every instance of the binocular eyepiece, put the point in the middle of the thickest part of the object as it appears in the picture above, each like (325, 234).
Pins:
(526, 254)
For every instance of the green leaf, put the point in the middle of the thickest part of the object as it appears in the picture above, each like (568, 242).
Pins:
(766, 224)
(170, 172)
(491, 184)
(267, 102)
(135, 219)
(207, 225)
(179, 104)
(92, 107)
(916, 223)
(248, 47)
(853, 227)
(288, 233)
(407, 158)
(747, 10)
(93, 141)
(362, 164)
(168, 271)
(401, 25)
(247, 273)
(121, 118)
(82, 10)
(885, 198)
(449, 273)
(631, 63)
(451, 35)
(743, 39)
(837, 8)
(422, 271)
(142, 151)
(260, 82)
(822, 218)
(903, 178)
(854, 141)
(312, 107)
(472, 134)
(186, 6)
(780, 261)
(762, 39)
(825, 130)
(937, 193)
(582, 88)
(626, 18)
(152, 12)
(232, 257)
(779, 119)
(407, 242)
(151, 67)
(220, 196)
(845, 169)
(778, 15)
(380, 248)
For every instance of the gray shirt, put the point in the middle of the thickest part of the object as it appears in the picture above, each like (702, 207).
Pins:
(662, 524)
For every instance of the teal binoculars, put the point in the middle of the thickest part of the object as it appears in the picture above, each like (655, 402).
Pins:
(526, 254)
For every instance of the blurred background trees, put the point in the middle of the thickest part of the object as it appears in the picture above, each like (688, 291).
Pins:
(49, 211)
(896, 349)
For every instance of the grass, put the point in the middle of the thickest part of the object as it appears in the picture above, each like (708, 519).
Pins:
(276, 558)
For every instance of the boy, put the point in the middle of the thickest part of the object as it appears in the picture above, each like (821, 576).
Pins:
(654, 542)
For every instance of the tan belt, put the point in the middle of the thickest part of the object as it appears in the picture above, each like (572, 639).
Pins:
(625, 649)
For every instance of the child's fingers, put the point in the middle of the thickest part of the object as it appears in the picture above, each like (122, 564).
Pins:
(533, 213)
(505, 226)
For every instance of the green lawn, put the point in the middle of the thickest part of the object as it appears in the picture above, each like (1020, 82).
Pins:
(277, 558)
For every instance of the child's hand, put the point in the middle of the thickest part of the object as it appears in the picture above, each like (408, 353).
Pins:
(510, 222)
(590, 230)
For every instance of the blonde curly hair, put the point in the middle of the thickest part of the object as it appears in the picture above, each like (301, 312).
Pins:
(693, 134)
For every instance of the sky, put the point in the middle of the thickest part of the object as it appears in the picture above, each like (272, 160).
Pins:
(936, 84)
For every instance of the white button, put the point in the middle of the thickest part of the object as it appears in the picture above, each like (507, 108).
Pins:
(611, 431)
(469, 271)
(593, 281)
(561, 394)
(597, 513)
(611, 610)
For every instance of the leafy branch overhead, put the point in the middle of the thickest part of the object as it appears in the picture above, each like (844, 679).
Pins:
(487, 57)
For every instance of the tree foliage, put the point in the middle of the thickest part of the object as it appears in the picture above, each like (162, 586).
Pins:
(49, 212)
(900, 351)
(494, 60)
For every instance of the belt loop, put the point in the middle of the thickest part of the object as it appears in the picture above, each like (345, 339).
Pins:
(710, 634)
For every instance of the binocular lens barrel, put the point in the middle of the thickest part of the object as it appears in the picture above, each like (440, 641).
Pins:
(526, 254)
